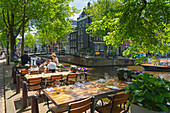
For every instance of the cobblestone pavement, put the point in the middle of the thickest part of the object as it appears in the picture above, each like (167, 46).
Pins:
(2, 105)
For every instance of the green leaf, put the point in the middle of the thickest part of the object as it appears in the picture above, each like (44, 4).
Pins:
(163, 107)
(159, 98)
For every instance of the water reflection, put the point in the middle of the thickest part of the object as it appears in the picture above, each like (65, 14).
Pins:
(98, 72)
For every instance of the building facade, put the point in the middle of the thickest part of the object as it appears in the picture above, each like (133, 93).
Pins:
(80, 41)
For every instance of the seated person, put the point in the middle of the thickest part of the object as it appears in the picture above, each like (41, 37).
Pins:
(25, 59)
(38, 62)
(42, 60)
(16, 57)
(54, 57)
(51, 66)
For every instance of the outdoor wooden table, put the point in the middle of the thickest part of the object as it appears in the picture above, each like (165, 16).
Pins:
(32, 69)
(47, 75)
(71, 93)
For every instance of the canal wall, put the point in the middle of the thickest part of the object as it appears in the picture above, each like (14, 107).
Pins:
(93, 62)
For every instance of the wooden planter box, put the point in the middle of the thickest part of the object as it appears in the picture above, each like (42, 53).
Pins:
(138, 109)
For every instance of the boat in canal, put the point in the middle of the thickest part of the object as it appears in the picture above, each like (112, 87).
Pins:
(162, 66)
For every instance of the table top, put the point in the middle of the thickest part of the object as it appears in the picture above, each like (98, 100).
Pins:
(47, 75)
(32, 69)
(72, 93)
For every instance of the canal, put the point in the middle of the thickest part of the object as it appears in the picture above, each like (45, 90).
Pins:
(98, 72)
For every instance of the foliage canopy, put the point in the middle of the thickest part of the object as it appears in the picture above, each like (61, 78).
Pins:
(145, 23)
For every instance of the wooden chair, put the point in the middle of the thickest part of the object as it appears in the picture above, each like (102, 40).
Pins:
(41, 71)
(69, 79)
(81, 106)
(24, 72)
(112, 107)
(74, 107)
(54, 78)
(34, 84)
(48, 71)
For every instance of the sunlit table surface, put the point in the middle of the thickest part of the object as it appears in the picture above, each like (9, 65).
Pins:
(48, 75)
(73, 93)
(32, 69)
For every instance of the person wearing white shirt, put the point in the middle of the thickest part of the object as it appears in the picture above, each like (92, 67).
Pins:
(51, 66)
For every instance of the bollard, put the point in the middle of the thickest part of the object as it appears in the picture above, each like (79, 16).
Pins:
(85, 74)
(34, 105)
(24, 95)
(14, 77)
(18, 84)
(12, 71)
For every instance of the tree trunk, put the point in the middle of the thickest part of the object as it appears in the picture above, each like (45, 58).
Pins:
(8, 60)
(23, 30)
(12, 36)
(12, 45)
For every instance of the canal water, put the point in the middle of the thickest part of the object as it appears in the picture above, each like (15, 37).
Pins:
(98, 72)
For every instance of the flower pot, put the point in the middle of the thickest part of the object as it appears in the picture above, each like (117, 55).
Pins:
(120, 76)
(138, 109)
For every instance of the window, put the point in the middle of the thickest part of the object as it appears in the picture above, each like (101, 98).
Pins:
(81, 31)
(83, 24)
(100, 38)
(70, 36)
(81, 38)
(96, 47)
(81, 45)
(80, 25)
(101, 47)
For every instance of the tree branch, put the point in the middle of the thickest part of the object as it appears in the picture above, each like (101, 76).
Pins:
(5, 20)
(18, 22)
(144, 6)
(8, 18)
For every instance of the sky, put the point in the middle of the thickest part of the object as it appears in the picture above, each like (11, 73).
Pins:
(79, 4)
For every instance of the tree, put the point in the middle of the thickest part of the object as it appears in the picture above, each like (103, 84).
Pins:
(145, 23)
(16, 15)
(30, 40)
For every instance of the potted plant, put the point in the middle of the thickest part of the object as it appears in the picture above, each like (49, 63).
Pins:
(73, 68)
(61, 66)
(122, 71)
(149, 94)
(82, 69)
(19, 63)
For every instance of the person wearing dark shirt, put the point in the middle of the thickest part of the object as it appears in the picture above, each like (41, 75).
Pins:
(25, 58)
(38, 62)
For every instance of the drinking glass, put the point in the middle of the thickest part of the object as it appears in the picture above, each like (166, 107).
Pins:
(125, 76)
(106, 76)
(114, 83)
(57, 83)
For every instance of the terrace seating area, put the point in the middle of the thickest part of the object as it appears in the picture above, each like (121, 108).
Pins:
(65, 91)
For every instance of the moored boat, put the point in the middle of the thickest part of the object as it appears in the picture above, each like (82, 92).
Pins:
(161, 66)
